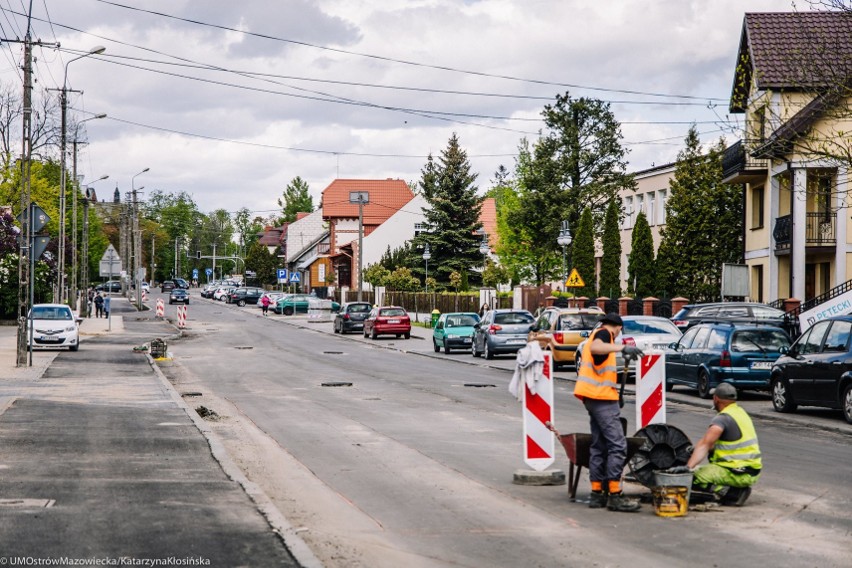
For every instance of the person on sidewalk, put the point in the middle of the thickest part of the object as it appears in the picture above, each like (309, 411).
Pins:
(734, 454)
(106, 305)
(596, 386)
(99, 305)
(90, 302)
(264, 303)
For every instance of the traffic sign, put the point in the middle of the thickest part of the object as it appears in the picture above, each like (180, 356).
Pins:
(574, 280)
(295, 277)
(282, 275)
(39, 220)
(110, 263)
(208, 271)
(195, 273)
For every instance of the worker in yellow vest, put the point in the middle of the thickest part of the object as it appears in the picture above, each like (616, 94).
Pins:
(734, 454)
(596, 386)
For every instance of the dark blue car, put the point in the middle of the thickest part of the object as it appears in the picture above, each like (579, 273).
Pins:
(711, 353)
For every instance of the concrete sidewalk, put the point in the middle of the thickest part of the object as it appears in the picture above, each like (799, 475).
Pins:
(101, 459)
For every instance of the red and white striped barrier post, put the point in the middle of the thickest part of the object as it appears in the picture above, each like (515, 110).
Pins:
(144, 296)
(181, 317)
(651, 390)
(539, 441)
(161, 308)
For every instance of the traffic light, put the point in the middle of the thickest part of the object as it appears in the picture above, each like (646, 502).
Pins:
(198, 254)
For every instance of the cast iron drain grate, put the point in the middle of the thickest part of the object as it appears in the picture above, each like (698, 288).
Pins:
(191, 394)
(244, 347)
(332, 352)
(337, 384)
(479, 385)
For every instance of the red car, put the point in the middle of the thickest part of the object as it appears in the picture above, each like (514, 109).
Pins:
(389, 320)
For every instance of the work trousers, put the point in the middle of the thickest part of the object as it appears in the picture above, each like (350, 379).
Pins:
(608, 451)
(715, 477)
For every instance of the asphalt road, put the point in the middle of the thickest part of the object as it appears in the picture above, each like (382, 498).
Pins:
(410, 466)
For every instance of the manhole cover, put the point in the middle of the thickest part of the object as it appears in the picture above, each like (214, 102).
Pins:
(191, 394)
(479, 385)
(244, 347)
(337, 384)
(332, 352)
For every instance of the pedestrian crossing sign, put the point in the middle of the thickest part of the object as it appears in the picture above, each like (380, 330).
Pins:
(574, 280)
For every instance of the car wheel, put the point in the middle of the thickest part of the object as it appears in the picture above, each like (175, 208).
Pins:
(76, 347)
(577, 363)
(288, 311)
(435, 345)
(241, 303)
(703, 384)
(473, 350)
(365, 333)
(782, 399)
(847, 403)
(187, 302)
(170, 302)
(407, 335)
(669, 386)
(446, 348)
(486, 351)
(373, 334)
(398, 335)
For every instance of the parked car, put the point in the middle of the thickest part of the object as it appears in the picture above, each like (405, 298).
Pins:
(501, 331)
(454, 330)
(207, 291)
(387, 320)
(179, 296)
(146, 287)
(222, 293)
(351, 316)
(692, 314)
(817, 369)
(244, 295)
(181, 283)
(113, 286)
(560, 331)
(738, 353)
(292, 303)
(273, 297)
(648, 333)
(54, 326)
(167, 285)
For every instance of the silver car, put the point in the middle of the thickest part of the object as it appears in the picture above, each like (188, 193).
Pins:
(501, 331)
(648, 333)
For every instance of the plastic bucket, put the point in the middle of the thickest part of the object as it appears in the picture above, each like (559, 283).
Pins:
(662, 479)
(670, 501)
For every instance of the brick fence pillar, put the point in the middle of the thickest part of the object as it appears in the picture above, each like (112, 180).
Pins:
(678, 304)
(791, 304)
(548, 302)
(581, 301)
(648, 305)
(602, 302)
(622, 305)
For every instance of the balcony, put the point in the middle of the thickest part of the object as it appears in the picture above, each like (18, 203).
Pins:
(738, 166)
(820, 230)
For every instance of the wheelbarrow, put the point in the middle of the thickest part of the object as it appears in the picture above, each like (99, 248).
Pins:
(577, 449)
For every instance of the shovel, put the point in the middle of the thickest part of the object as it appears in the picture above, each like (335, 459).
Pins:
(623, 382)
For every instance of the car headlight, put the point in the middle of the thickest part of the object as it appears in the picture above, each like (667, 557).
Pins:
(71, 328)
(452, 336)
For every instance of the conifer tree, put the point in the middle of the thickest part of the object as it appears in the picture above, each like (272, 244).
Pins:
(610, 283)
(641, 277)
(584, 254)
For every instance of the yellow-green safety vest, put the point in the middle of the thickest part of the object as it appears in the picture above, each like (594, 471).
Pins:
(738, 453)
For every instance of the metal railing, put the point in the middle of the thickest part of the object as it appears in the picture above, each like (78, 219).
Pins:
(820, 230)
(737, 159)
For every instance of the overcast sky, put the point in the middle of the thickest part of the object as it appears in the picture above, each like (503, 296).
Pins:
(229, 101)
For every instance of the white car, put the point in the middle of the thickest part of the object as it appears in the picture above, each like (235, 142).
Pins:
(54, 326)
(273, 297)
(648, 333)
(222, 292)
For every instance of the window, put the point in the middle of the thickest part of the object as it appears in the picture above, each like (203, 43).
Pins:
(663, 199)
(628, 212)
(812, 343)
(688, 337)
(640, 207)
(838, 337)
(652, 218)
(420, 228)
(757, 209)
(717, 340)
(701, 338)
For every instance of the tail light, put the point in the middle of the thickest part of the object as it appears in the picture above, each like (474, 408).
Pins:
(725, 359)
(680, 323)
(346, 316)
(493, 328)
(628, 341)
(381, 320)
(558, 337)
(405, 319)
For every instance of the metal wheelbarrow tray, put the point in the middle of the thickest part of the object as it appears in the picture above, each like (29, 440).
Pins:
(577, 449)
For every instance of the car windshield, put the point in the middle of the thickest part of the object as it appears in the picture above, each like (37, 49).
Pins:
(462, 321)
(392, 312)
(359, 308)
(509, 318)
(759, 340)
(638, 327)
(60, 313)
(578, 321)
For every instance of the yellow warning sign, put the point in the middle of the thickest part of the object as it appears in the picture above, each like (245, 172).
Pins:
(574, 280)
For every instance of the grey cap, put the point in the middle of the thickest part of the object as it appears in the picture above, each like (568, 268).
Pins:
(725, 391)
(612, 319)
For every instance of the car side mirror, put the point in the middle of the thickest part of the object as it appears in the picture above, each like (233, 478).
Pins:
(476, 325)
(784, 350)
(78, 320)
(534, 328)
(585, 333)
(674, 346)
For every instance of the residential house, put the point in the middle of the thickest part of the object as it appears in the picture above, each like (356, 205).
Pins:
(307, 250)
(274, 239)
(791, 76)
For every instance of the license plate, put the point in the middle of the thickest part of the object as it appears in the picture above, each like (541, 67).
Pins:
(761, 365)
(393, 321)
(49, 339)
(516, 341)
(467, 340)
(661, 346)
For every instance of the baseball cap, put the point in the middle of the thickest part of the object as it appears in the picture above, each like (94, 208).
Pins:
(725, 391)
(612, 319)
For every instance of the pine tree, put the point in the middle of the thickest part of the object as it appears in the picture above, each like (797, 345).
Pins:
(641, 276)
(584, 254)
(610, 283)
(704, 224)
(295, 199)
(452, 215)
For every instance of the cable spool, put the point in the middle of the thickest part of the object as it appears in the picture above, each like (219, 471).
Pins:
(665, 446)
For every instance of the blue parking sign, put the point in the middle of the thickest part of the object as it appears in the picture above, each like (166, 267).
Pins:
(282, 275)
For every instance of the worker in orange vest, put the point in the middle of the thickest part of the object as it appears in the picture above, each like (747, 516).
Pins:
(596, 386)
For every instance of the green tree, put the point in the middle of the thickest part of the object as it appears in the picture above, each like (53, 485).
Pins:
(455, 280)
(376, 274)
(641, 273)
(261, 261)
(494, 274)
(610, 282)
(452, 214)
(402, 280)
(583, 258)
(295, 199)
(704, 224)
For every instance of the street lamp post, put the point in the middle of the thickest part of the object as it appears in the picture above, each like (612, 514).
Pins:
(84, 266)
(427, 254)
(63, 101)
(136, 242)
(564, 240)
(484, 248)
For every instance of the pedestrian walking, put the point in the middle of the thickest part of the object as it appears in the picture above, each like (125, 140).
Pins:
(90, 298)
(597, 379)
(106, 306)
(264, 303)
(99, 305)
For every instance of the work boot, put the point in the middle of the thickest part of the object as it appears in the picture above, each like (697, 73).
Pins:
(597, 500)
(736, 496)
(620, 502)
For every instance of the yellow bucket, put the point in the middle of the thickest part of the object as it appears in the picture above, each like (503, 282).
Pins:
(670, 501)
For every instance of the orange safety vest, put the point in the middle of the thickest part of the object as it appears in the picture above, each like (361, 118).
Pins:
(596, 381)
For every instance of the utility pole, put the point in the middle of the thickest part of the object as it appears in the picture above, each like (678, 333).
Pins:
(24, 274)
(151, 276)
